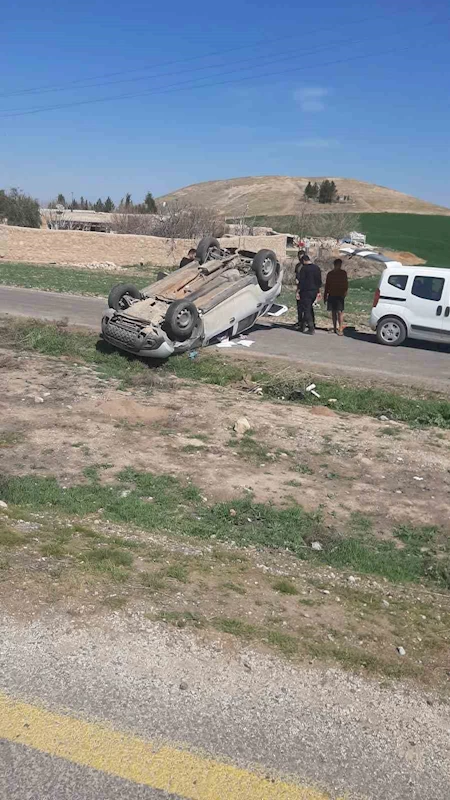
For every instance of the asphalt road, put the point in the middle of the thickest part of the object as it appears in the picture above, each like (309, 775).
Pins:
(356, 354)
(80, 699)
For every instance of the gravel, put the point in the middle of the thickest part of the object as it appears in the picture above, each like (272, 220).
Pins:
(344, 732)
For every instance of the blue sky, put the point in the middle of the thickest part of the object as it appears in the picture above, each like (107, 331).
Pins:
(223, 90)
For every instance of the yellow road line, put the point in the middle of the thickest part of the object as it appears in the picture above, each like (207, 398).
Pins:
(176, 771)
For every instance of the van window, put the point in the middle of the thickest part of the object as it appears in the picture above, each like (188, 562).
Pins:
(428, 288)
(399, 281)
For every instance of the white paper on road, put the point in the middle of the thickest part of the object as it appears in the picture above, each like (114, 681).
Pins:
(279, 310)
(242, 340)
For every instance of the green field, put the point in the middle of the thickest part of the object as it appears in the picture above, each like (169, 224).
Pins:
(427, 236)
(73, 281)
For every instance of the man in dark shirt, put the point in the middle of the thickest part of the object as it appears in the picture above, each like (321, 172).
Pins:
(309, 282)
(336, 288)
(189, 258)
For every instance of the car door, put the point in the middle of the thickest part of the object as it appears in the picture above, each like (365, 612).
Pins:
(427, 304)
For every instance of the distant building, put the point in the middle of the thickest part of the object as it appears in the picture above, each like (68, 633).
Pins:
(64, 219)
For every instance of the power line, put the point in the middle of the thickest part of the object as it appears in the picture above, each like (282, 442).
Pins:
(181, 86)
(46, 89)
(189, 83)
(238, 65)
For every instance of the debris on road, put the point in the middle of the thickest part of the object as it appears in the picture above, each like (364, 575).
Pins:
(401, 651)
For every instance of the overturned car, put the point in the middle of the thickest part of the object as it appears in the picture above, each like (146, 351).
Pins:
(222, 292)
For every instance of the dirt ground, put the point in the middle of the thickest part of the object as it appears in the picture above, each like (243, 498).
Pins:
(58, 419)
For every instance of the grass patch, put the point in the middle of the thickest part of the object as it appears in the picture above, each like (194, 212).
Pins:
(54, 549)
(284, 587)
(55, 340)
(192, 448)
(182, 618)
(178, 572)
(234, 626)
(249, 448)
(283, 641)
(177, 508)
(152, 581)
(234, 587)
(10, 438)
(113, 555)
(8, 537)
(115, 602)
(388, 431)
(73, 281)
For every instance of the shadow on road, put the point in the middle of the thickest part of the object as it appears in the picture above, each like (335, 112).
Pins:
(411, 344)
(350, 332)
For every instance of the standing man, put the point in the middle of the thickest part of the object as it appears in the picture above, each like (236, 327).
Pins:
(309, 282)
(189, 258)
(336, 288)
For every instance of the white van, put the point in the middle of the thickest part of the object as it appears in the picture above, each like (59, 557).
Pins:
(414, 302)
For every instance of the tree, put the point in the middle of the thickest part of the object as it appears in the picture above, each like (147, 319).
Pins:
(308, 193)
(328, 192)
(108, 205)
(98, 206)
(61, 200)
(150, 204)
(19, 209)
(127, 202)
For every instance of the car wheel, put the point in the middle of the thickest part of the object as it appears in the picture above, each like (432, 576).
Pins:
(120, 296)
(391, 331)
(203, 252)
(265, 265)
(180, 320)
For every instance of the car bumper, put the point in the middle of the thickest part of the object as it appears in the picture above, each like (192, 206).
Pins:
(373, 322)
(129, 335)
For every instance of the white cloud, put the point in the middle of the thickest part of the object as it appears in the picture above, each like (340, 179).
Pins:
(311, 98)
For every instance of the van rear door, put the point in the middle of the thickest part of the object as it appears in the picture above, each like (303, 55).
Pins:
(428, 298)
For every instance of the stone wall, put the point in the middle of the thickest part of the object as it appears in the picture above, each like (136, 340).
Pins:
(43, 246)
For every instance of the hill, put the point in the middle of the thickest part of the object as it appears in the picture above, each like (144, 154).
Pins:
(279, 195)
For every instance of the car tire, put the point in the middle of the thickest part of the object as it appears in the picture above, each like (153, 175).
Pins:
(119, 296)
(265, 265)
(180, 320)
(391, 331)
(204, 247)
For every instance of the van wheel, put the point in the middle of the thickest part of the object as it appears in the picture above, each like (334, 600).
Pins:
(391, 331)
